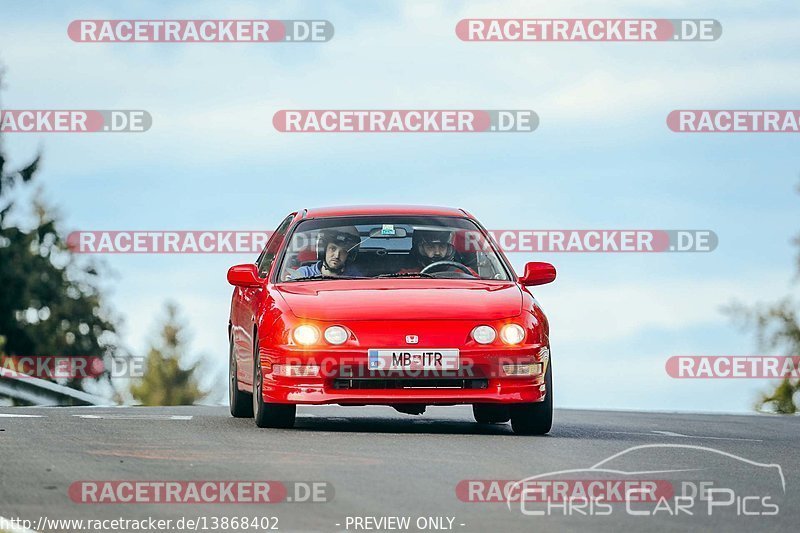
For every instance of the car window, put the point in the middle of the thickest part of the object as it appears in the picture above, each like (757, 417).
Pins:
(390, 246)
(267, 256)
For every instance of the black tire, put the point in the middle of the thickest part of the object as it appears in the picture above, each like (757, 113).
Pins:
(490, 413)
(241, 402)
(535, 418)
(269, 415)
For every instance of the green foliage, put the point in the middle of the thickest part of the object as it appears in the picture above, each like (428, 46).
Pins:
(51, 303)
(777, 328)
(782, 398)
(164, 381)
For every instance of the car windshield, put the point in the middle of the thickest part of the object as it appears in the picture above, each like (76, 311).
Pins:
(389, 247)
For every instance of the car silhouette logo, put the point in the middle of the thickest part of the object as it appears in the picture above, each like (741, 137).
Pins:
(412, 339)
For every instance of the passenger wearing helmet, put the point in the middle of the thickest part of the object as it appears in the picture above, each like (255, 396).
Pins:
(336, 250)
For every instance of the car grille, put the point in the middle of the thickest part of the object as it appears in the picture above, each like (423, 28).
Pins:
(410, 383)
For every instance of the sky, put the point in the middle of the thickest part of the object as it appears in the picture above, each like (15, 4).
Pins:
(602, 157)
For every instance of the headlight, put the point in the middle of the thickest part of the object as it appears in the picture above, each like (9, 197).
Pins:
(512, 334)
(336, 335)
(306, 335)
(484, 334)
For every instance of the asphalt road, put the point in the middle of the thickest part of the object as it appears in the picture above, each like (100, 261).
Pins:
(384, 464)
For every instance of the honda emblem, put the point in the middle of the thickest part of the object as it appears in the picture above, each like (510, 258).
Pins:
(412, 339)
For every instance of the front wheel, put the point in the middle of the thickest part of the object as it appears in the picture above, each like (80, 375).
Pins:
(535, 418)
(269, 415)
(241, 402)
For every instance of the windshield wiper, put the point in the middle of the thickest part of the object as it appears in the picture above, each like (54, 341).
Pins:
(407, 275)
(322, 276)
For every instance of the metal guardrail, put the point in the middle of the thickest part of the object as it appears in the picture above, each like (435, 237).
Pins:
(35, 391)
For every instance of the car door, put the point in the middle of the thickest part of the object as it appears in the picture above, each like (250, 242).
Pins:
(248, 300)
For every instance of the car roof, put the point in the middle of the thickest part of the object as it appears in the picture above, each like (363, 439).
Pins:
(366, 210)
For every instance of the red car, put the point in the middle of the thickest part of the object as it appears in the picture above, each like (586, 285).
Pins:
(404, 306)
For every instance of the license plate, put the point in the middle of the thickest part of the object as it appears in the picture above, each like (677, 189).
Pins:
(416, 359)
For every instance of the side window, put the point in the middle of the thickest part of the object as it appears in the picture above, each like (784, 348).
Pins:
(267, 257)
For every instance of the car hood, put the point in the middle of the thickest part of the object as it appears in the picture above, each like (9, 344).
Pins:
(408, 299)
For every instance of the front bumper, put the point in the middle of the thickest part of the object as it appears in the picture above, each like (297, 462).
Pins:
(345, 379)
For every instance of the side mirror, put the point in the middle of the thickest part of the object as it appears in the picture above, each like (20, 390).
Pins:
(537, 273)
(244, 276)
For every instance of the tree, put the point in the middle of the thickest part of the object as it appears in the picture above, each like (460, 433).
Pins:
(164, 381)
(777, 326)
(51, 303)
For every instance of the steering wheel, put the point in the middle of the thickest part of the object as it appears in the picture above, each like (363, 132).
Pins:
(454, 264)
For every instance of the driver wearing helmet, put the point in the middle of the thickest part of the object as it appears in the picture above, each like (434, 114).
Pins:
(430, 246)
(336, 250)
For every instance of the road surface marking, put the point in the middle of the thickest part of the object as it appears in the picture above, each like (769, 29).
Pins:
(669, 433)
(656, 433)
(136, 417)
(3, 415)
